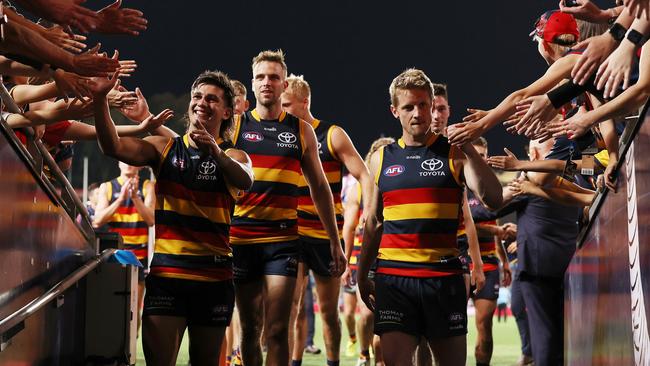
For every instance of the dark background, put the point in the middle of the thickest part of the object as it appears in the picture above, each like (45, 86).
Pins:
(349, 51)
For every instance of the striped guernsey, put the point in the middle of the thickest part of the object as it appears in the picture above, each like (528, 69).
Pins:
(267, 213)
(127, 222)
(309, 223)
(421, 194)
(193, 209)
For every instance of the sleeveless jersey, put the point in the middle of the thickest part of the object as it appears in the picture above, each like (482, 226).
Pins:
(358, 232)
(421, 194)
(309, 224)
(267, 213)
(486, 242)
(127, 222)
(193, 209)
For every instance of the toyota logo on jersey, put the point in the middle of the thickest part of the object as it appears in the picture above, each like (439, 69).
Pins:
(253, 136)
(287, 137)
(431, 165)
(394, 170)
(207, 167)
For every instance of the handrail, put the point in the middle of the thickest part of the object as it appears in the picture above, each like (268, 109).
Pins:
(28, 310)
(70, 200)
(631, 130)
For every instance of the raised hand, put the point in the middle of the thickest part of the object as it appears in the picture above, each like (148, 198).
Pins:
(91, 63)
(534, 111)
(125, 190)
(119, 97)
(508, 162)
(68, 41)
(116, 20)
(204, 140)
(152, 122)
(586, 10)
(474, 115)
(577, 125)
(127, 67)
(138, 111)
(638, 8)
(596, 51)
(65, 12)
(616, 69)
(463, 132)
(101, 86)
(71, 84)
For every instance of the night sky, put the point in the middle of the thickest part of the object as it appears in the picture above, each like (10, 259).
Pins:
(349, 51)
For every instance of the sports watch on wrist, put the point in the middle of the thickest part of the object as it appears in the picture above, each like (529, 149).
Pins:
(617, 31)
(635, 37)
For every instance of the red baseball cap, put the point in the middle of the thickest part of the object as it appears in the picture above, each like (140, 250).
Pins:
(554, 23)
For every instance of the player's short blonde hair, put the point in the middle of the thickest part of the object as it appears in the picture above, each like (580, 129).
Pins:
(238, 86)
(410, 79)
(298, 87)
(271, 56)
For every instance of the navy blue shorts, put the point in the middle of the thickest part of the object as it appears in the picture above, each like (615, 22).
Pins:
(316, 255)
(433, 307)
(202, 303)
(491, 289)
(251, 261)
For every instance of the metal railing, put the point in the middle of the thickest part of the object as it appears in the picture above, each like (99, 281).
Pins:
(633, 124)
(9, 324)
(36, 157)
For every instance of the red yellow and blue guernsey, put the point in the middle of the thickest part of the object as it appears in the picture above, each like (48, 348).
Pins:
(421, 194)
(486, 242)
(309, 224)
(267, 213)
(358, 232)
(194, 205)
(127, 222)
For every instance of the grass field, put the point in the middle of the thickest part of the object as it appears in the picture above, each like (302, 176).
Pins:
(506, 346)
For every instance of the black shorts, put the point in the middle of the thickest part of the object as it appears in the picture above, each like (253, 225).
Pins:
(251, 261)
(316, 255)
(431, 307)
(352, 289)
(201, 303)
(491, 289)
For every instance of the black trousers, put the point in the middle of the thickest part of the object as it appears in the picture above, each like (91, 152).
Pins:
(544, 300)
(519, 311)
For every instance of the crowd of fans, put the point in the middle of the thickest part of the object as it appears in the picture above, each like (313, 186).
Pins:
(247, 203)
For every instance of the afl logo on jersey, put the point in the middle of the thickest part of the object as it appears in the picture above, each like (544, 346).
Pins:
(179, 163)
(252, 136)
(287, 137)
(394, 170)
